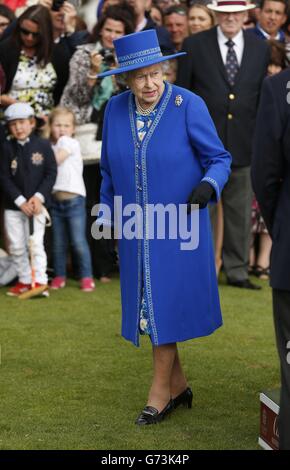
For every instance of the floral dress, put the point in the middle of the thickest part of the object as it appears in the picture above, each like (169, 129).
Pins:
(258, 223)
(78, 95)
(143, 124)
(34, 84)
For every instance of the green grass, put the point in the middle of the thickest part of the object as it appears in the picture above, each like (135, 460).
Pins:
(69, 381)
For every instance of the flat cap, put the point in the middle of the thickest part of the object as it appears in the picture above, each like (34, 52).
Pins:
(18, 111)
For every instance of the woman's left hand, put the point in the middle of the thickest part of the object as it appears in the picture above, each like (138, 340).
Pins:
(201, 196)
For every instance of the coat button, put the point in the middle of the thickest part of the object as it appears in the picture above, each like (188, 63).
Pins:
(231, 96)
(230, 116)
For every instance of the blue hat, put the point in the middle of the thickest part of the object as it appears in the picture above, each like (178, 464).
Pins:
(99, 8)
(138, 50)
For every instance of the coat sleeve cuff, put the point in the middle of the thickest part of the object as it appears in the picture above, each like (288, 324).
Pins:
(215, 186)
(19, 201)
(41, 197)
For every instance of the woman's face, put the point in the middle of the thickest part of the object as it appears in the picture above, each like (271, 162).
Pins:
(147, 84)
(4, 22)
(29, 34)
(199, 20)
(111, 30)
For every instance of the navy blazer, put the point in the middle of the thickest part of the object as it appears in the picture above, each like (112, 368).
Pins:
(26, 169)
(271, 171)
(233, 109)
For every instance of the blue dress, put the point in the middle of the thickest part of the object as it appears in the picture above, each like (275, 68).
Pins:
(181, 148)
(143, 124)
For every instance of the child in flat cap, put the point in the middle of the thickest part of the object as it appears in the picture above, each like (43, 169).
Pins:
(27, 175)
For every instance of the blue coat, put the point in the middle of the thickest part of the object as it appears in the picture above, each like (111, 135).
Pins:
(180, 149)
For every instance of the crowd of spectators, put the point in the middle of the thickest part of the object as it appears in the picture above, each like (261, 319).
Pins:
(51, 52)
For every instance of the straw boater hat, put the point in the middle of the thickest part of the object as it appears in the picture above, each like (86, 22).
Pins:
(138, 50)
(230, 6)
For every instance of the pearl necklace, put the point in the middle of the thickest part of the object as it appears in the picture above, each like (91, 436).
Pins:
(147, 111)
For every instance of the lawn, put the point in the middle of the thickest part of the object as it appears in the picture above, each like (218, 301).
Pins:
(69, 381)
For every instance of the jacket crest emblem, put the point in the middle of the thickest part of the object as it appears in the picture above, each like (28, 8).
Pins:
(37, 158)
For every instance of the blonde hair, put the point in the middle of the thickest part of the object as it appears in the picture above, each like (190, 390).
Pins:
(210, 13)
(58, 111)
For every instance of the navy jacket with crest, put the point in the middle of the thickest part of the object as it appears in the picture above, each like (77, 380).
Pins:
(26, 169)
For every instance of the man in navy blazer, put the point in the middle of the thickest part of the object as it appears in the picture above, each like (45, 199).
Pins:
(271, 17)
(271, 182)
(212, 56)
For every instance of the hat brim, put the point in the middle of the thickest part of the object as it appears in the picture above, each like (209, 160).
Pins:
(39, 121)
(230, 8)
(140, 65)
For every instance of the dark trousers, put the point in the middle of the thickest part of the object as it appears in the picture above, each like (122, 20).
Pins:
(102, 251)
(237, 201)
(281, 308)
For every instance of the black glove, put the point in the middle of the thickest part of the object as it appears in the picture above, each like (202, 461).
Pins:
(201, 195)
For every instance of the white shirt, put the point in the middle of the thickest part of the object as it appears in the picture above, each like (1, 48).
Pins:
(266, 35)
(238, 39)
(70, 171)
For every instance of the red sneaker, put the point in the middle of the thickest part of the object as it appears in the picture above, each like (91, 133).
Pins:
(87, 284)
(57, 283)
(18, 289)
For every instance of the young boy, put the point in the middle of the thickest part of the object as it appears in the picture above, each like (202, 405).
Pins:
(27, 175)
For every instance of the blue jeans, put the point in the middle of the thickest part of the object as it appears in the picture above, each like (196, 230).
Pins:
(69, 227)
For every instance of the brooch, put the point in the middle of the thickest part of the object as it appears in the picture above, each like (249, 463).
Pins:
(178, 100)
(37, 158)
(13, 166)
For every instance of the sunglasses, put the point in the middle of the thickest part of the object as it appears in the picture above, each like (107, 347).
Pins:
(26, 32)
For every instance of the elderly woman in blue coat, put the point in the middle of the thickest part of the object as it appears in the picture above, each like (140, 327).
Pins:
(161, 157)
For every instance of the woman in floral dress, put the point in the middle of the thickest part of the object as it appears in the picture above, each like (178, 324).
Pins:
(26, 61)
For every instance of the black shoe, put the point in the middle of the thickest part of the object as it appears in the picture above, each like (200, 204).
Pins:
(184, 398)
(246, 284)
(151, 415)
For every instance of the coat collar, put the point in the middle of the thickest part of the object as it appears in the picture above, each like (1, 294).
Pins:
(162, 105)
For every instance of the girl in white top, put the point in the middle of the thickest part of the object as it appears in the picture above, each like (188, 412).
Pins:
(68, 209)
